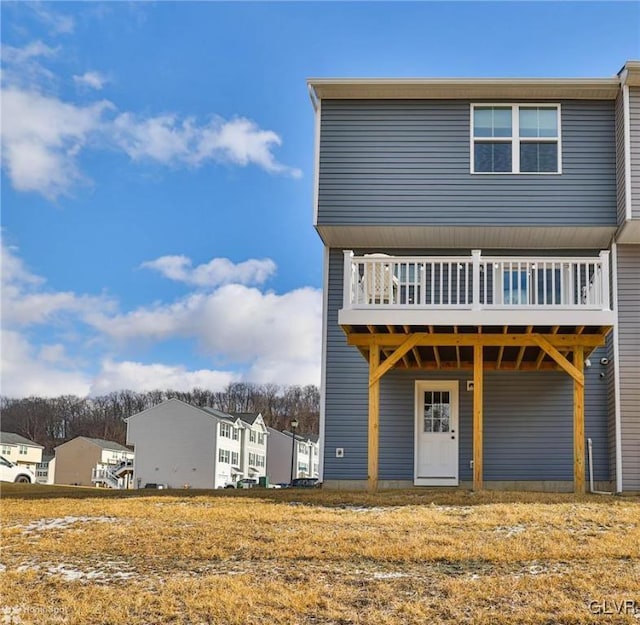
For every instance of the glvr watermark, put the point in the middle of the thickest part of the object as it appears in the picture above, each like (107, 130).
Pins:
(29, 615)
(615, 607)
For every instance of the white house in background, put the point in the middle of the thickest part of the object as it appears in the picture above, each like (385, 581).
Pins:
(85, 461)
(46, 470)
(305, 451)
(20, 450)
(181, 445)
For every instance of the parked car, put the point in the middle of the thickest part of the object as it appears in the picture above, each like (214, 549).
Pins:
(10, 472)
(157, 486)
(247, 482)
(305, 482)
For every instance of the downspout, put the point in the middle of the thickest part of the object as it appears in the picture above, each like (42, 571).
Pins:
(591, 489)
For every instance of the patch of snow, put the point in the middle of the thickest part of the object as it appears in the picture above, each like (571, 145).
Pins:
(510, 530)
(42, 525)
(380, 575)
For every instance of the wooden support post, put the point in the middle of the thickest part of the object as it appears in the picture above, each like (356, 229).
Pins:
(374, 418)
(477, 416)
(578, 424)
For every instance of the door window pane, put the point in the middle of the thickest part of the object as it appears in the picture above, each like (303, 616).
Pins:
(437, 411)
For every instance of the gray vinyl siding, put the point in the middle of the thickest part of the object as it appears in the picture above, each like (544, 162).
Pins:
(634, 127)
(629, 362)
(620, 160)
(528, 415)
(408, 162)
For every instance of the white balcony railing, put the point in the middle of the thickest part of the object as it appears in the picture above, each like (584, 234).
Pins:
(379, 281)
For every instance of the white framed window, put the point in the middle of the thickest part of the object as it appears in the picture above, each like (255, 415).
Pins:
(22, 450)
(252, 436)
(260, 439)
(516, 139)
(302, 448)
(252, 460)
(234, 458)
(6, 450)
(224, 455)
(225, 430)
(235, 434)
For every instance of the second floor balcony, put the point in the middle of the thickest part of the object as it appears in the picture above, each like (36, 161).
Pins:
(380, 289)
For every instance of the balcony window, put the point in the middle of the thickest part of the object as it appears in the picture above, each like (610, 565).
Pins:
(515, 139)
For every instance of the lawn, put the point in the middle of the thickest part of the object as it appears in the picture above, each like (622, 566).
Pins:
(93, 557)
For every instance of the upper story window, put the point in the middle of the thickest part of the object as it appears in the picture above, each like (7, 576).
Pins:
(515, 139)
(6, 450)
(22, 450)
(252, 436)
(225, 430)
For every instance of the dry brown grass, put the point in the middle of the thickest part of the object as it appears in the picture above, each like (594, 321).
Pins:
(314, 557)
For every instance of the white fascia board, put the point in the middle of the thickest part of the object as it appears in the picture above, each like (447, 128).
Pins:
(451, 317)
(627, 151)
(323, 361)
(464, 88)
(616, 368)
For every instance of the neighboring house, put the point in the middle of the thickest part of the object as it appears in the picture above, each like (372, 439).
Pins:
(85, 461)
(46, 470)
(181, 445)
(253, 444)
(482, 281)
(281, 447)
(20, 450)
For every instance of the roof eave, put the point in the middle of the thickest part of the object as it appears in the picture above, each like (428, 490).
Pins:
(464, 88)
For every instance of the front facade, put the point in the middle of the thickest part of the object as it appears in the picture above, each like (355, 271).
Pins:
(20, 450)
(481, 306)
(184, 446)
(85, 461)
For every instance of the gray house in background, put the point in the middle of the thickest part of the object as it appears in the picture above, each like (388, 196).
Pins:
(481, 281)
(305, 452)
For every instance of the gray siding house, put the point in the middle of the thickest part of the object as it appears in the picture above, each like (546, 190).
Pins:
(481, 319)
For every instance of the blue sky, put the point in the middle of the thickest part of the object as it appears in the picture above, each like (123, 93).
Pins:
(157, 170)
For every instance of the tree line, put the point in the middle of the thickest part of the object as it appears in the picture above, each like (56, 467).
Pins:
(53, 421)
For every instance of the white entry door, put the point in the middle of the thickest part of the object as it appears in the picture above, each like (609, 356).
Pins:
(436, 437)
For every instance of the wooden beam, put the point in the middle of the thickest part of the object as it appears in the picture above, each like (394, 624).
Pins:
(424, 339)
(574, 372)
(578, 425)
(489, 365)
(542, 353)
(501, 350)
(522, 350)
(374, 420)
(409, 343)
(436, 351)
(477, 417)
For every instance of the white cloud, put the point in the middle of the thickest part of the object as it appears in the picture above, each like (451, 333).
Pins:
(94, 80)
(25, 301)
(216, 272)
(22, 66)
(172, 141)
(276, 336)
(41, 138)
(23, 373)
(57, 23)
(136, 376)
